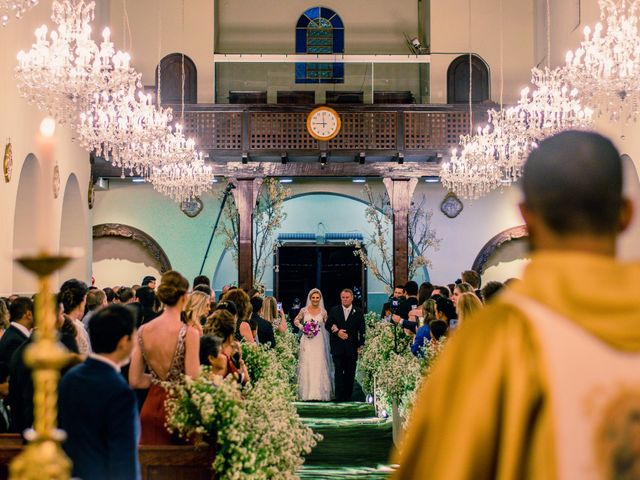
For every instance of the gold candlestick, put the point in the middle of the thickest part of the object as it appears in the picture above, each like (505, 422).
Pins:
(43, 458)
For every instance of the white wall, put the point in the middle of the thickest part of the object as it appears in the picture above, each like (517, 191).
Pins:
(20, 122)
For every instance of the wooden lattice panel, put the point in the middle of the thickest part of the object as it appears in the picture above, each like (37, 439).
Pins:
(215, 130)
(280, 131)
(457, 124)
(366, 131)
(425, 130)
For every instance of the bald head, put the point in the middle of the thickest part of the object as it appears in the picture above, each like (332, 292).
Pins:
(573, 182)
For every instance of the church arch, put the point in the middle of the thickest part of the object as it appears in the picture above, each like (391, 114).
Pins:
(169, 78)
(73, 231)
(514, 233)
(458, 80)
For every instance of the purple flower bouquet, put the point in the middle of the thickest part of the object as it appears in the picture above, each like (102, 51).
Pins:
(311, 328)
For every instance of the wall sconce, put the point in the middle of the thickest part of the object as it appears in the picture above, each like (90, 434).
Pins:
(245, 158)
(400, 158)
(362, 157)
(284, 158)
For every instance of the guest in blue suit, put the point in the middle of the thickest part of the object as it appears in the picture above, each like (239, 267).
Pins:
(97, 408)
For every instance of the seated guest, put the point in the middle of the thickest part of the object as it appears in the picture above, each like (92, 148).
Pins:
(265, 329)
(21, 384)
(468, 303)
(490, 289)
(97, 408)
(95, 299)
(146, 297)
(210, 355)
(273, 313)
(428, 311)
(73, 295)
(245, 327)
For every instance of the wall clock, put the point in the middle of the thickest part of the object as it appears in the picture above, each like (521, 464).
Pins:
(323, 123)
(191, 208)
(7, 164)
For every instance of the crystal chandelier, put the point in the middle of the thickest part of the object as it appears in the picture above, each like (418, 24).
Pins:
(184, 180)
(14, 8)
(61, 74)
(495, 156)
(606, 66)
(125, 129)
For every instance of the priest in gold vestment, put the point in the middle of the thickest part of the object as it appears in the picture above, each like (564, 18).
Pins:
(544, 383)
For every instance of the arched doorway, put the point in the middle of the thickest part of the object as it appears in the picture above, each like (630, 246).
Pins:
(73, 232)
(24, 239)
(504, 256)
(170, 73)
(458, 80)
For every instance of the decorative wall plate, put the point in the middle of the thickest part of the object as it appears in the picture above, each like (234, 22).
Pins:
(56, 181)
(451, 206)
(7, 164)
(191, 208)
(92, 193)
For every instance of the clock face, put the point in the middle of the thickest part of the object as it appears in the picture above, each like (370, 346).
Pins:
(323, 123)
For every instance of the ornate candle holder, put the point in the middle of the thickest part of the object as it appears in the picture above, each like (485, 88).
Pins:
(43, 457)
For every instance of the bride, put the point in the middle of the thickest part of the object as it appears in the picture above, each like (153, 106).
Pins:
(315, 369)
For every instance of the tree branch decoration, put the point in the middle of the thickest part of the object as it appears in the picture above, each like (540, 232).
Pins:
(422, 237)
(268, 216)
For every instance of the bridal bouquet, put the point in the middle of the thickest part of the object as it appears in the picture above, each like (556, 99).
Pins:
(311, 328)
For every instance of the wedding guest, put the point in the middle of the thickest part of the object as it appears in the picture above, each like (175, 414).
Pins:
(222, 324)
(168, 348)
(468, 304)
(201, 280)
(490, 290)
(428, 311)
(265, 328)
(210, 355)
(542, 384)
(96, 299)
(73, 295)
(111, 295)
(21, 322)
(446, 311)
(458, 290)
(424, 292)
(245, 328)
(197, 310)
(441, 290)
(5, 317)
(149, 281)
(21, 383)
(146, 297)
(97, 408)
(401, 315)
(472, 278)
(273, 313)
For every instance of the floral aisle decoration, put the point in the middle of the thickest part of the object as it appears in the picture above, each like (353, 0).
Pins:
(257, 431)
(286, 350)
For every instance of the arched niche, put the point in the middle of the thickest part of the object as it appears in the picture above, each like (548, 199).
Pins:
(505, 247)
(124, 255)
(458, 80)
(24, 237)
(170, 75)
(73, 231)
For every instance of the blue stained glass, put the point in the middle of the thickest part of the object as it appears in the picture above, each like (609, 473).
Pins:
(313, 13)
(303, 21)
(336, 21)
(301, 40)
(327, 13)
(338, 41)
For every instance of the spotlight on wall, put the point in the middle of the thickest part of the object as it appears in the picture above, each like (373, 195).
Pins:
(432, 179)
(245, 158)
(400, 158)
(362, 157)
(286, 180)
(137, 180)
(359, 180)
(323, 158)
(284, 158)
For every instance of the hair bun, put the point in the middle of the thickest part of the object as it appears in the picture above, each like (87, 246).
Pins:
(172, 287)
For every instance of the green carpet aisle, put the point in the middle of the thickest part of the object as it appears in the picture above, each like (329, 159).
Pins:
(356, 443)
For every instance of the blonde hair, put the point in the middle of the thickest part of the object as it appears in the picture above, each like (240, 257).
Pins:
(429, 310)
(270, 309)
(464, 287)
(197, 306)
(468, 303)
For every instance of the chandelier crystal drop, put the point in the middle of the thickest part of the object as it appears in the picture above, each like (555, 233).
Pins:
(606, 66)
(14, 8)
(63, 71)
(184, 180)
(125, 129)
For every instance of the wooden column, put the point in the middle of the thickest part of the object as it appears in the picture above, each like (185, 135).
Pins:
(245, 195)
(400, 194)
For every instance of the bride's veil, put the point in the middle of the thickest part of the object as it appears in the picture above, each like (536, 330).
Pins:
(311, 292)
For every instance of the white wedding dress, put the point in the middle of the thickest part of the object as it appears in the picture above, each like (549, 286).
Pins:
(315, 367)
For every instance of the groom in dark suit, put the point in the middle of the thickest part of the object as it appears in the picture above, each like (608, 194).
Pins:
(346, 328)
(97, 408)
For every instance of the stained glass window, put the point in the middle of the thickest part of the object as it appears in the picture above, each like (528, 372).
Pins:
(319, 31)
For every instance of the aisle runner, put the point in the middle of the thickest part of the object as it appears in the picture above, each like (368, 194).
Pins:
(356, 444)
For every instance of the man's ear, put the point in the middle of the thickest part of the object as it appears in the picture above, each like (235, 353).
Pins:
(626, 214)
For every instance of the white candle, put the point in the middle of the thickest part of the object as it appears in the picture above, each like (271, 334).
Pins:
(45, 201)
